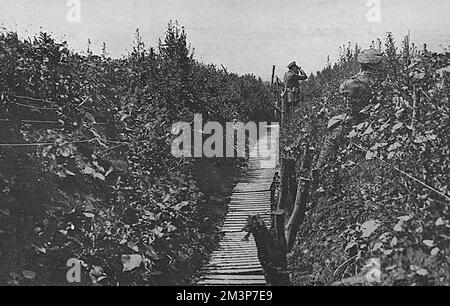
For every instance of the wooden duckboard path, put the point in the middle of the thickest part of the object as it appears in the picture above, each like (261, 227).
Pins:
(235, 262)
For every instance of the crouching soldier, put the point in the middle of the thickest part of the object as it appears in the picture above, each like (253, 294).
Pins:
(357, 92)
(292, 80)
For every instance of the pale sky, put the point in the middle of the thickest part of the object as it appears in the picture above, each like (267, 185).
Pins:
(246, 36)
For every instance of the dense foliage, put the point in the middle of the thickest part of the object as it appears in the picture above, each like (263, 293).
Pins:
(96, 180)
(385, 195)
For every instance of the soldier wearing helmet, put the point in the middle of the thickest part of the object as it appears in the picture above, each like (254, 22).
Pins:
(357, 89)
(357, 92)
(292, 80)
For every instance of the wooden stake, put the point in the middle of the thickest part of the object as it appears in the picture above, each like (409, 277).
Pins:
(298, 215)
(292, 185)
(280, 239)
(273, 75)
(224, 69)
(284, 179)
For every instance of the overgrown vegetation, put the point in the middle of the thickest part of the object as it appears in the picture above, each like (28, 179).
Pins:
(86, 170)
(385, 195)
(85, 165)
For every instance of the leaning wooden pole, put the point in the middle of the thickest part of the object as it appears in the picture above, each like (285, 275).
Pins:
(303, 189)
(278, 218)
(273, 75)
(292, 185)
(287, 172)
(224, 69)
(284, 180)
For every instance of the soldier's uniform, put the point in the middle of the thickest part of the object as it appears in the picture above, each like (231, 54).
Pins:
(292, 81)
(357, 91)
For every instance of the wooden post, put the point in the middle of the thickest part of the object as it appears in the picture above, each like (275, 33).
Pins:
(287, 175)
(224, 69)
(273, 189)
(283, 185)
(273, 75)
(292, 184)
(298, 214)
(280, 239)
(279, 99)
(274, 90)
(301, 200)
(273, 198)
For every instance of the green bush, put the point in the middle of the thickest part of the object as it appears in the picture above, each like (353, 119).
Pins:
(105, 185)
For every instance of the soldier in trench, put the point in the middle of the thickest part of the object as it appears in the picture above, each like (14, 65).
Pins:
(358, 93)
(292, 80)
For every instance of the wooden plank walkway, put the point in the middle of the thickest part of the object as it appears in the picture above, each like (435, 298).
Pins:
(236, 262)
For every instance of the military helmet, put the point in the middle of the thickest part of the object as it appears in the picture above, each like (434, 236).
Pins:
(292, 65)
(370, 56)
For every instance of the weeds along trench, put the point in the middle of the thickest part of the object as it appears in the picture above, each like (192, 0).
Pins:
(384, 196)
(86, 170)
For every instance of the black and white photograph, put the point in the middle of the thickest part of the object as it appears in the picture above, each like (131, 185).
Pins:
(224, 148)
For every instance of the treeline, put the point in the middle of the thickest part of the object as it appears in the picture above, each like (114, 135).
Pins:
(385, 194)
(85, 164)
